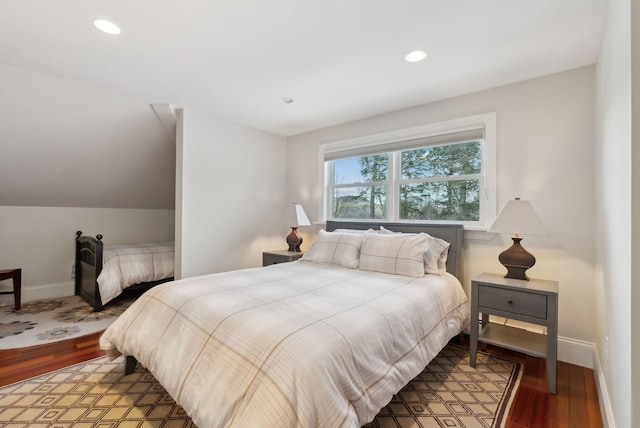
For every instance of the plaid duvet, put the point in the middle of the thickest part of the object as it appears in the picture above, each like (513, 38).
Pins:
(124, 266)
(290, 345)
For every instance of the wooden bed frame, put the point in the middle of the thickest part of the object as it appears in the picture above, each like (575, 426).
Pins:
(452, 233)
(88, 267)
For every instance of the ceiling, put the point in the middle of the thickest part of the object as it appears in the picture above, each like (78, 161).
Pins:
(339, 60)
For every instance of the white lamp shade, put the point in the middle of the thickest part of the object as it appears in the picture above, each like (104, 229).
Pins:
(297, 217)
(518, 217)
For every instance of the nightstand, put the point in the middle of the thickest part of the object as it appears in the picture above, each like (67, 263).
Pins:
(284, 256)
(534, 301)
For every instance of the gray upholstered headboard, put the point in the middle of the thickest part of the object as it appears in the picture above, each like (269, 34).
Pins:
(452, 233)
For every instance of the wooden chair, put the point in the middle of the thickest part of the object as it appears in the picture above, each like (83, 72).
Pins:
(16, 275)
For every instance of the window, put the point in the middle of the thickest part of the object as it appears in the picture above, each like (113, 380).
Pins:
(359, 187)
(441, 182)
(439, 173)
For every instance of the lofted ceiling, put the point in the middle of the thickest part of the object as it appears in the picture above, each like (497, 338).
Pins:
(339, 60)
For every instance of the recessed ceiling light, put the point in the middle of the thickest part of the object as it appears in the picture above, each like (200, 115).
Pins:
(286, 100)
(415, 56)
(107, 26)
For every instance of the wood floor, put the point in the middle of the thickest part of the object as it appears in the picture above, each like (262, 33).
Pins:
(574, 405)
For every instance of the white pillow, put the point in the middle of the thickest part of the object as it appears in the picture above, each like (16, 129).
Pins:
(342, 249)
(399, 254)
(435, 258)
(358, 231)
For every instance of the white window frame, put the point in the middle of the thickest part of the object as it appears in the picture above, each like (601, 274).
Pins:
(329, 172)
(488, 185)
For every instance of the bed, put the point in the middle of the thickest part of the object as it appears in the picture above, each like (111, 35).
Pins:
(103, 273)
(308, 343)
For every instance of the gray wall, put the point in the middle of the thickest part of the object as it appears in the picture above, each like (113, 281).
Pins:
(68, 145)
(617, 169)
(545, 154)
(230, 195)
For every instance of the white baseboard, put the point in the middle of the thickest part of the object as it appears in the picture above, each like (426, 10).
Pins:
(603, 395)
(577, 352)
(585, 354)
(41, 292)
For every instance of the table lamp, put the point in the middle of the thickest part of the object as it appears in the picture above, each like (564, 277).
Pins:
(517, 217)
(297, 217)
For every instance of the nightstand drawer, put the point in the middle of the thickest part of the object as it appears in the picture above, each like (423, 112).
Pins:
(515, 302)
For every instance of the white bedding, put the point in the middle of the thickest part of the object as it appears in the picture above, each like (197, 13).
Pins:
(289, 345)
(125, 265)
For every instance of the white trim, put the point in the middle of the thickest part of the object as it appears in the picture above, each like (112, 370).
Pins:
(490, 163)
(585, 354)
(488, 121)
(41, 292)
(477, 234)
(576, 352)
(603, 394)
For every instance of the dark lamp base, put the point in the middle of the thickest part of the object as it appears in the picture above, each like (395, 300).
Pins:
(517, 260)
(294, 240)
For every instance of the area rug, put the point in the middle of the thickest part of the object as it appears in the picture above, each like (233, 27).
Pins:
(448, 393)
(45, 321)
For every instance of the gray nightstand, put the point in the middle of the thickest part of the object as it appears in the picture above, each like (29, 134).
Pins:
(284, 256)
(534, 301)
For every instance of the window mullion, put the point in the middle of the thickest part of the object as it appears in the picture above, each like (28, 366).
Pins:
(367, 184)
(390, 208)
(328, 194)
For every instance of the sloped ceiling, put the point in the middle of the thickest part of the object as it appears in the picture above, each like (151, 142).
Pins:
(75, 99)
(69, 145)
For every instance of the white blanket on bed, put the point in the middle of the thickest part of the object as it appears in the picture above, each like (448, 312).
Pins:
(290, 345)
(125, 265)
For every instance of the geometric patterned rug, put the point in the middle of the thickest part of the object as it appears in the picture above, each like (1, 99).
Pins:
(45, 321)
(448, 393)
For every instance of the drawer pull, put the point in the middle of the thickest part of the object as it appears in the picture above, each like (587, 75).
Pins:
(510, 301)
